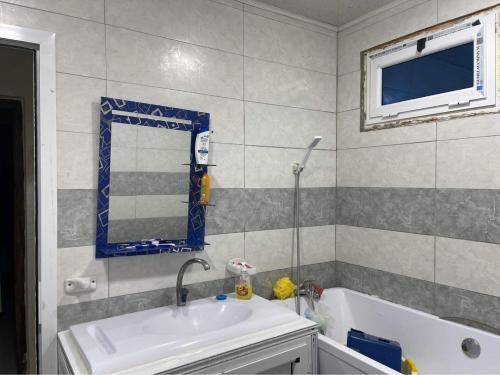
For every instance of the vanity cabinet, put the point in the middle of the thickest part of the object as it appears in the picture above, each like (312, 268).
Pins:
(294, 355)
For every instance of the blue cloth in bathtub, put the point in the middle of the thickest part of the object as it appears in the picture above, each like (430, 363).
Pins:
(385, 351)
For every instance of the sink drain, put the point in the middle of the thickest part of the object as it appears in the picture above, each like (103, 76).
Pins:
(471, 348)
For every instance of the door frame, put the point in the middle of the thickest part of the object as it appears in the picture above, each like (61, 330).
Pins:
(43, 43)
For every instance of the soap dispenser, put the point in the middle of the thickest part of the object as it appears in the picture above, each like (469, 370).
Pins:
(243, 287)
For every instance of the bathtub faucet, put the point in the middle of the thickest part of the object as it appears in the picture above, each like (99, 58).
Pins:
(311, 290)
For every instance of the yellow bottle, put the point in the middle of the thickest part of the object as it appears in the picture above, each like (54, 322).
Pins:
(243, 287)
(204, 189)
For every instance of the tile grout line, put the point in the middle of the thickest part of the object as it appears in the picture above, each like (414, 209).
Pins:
(244, 139)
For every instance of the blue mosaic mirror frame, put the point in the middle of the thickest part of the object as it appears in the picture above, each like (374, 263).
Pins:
(144, 114)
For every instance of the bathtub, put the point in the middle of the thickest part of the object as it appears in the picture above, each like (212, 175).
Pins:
(435, 345)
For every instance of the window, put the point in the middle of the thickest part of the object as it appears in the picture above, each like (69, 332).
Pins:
(449, 70)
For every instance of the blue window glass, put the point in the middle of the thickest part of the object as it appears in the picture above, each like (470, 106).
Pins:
(444, 71)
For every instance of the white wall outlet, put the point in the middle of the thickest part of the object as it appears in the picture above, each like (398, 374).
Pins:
(80, 285)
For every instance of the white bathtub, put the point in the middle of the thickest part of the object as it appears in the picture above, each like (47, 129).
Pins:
(432, 343)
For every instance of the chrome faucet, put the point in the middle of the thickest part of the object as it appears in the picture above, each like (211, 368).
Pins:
(182, 293)
(308, 289)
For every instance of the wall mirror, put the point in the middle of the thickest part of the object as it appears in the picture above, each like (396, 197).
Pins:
(148, 188)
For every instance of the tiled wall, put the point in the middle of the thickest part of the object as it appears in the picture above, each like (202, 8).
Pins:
(269, 83)
(417, 219)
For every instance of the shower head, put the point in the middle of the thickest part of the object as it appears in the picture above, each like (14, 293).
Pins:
(313, 144)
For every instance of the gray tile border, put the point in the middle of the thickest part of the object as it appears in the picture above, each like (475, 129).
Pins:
(148, 183)
(399, 209)
(76, 217)
(437, 299)
(228, 213)
(68, 315)
(468, 214)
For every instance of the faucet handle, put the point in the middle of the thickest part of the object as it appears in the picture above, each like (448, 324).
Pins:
(184, 295)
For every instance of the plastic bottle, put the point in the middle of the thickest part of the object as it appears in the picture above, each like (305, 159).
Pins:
(243, 287)
(204, 189)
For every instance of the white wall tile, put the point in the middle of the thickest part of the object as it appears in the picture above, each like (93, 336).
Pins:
(468, 265)
(287, 44)
(271, 125)
(411, 20)
(448, 9)
(144, 59)
(468, 163)
(348, 96)
(79, 43)
(163, 139)
(271, 249)
(154, 160)
(349, 134)
(123, 135)
(121, 207)
(78, 103)
(200, 22)
(136, 274)
(267, 167)
(272, 83)
(161, 206)
(77, 160)
(123, 159)
(410, 165)
(226, 115)
(466, 127)
(222, 248)
(229, 169)
(402, 253)
(88, 9)
(80, 262)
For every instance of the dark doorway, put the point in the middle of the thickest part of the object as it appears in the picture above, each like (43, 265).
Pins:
(17, 209)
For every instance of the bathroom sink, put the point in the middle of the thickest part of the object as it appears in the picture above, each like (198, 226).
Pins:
(196, 319)
(125, 341)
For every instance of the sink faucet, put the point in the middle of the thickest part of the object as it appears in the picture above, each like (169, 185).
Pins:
(182, 293)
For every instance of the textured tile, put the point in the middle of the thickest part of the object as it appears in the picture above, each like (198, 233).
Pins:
(199, 22)
(404, 210)
(90, 9)
(273, 208)
(453, 302)
(350, 45)
(403, 253)
(76, 217)
(269, 249)
(317, 244)
(78, 101)
(349, 134)
(76, 313)
(269, 167)
(80, 262)
(160, 206)
(467, 163)
(409, 165)
(270, 125)
(226, 115)
(467, 127)
(228, 213)
(349, 91)
(167, 228)
(79, 43)
(406, 291)
(163, 139)
(468, 214)
(448, 9)
(229, 169)
(272, 83)
(287, 44)
(458, 263)
(165, 63)
(131, 303)
(77, 160)
(123, 135)
(121, 207)
(154, 160)
(148, 183)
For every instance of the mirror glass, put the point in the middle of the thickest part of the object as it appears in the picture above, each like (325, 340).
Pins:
(149, 183)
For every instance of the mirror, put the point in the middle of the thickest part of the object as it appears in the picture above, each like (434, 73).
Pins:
(148, 179)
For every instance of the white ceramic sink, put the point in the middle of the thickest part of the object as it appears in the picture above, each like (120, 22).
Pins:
(114, 344)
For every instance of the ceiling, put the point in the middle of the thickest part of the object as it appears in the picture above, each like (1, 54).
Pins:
(334, 12)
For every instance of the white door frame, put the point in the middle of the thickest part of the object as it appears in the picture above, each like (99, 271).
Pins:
(44, 44)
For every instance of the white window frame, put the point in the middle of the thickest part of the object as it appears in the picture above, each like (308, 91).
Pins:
(481, 94)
